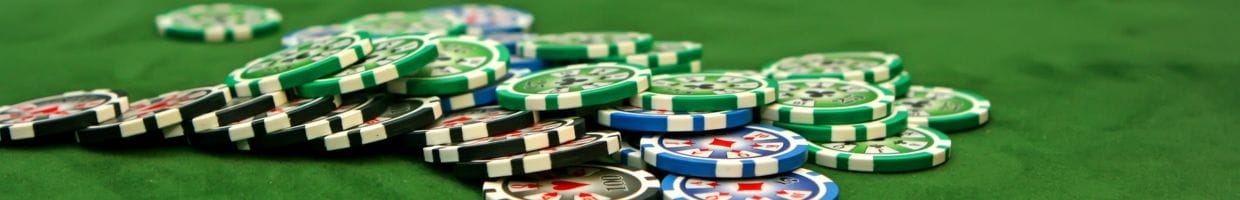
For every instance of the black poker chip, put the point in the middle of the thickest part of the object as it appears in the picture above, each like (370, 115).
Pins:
(294, 113)
(589, 147)
(354, 110)
(467, 125)
(60, 114)
(540, 135)
(402, 115)
(148, 117)
(238, 108)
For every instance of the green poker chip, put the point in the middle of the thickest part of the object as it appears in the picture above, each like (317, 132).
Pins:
(220, 22)
(916, 148)
(665, 53)
(706, 92)
(900, 84)
(405, 22)
(944, 108)
(465, 63)
(574, 86)
(828, 101)
(691, 67)
(391, 58)
(294, 66)
(892, 125)
(585, 45)
(871, 67)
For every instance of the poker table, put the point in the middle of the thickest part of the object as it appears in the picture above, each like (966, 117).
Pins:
(1091, 99)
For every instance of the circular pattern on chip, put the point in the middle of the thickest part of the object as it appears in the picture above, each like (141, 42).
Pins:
(391, 57)
(294, 66)
(533, 137)
(465, 63)
(944, 108)
(916, 148)
(489, 18)
(798, 184)
(576, 182)
(665, 53)
(406, 22)
(313, 33)
(706, 92)
(587, 148)
(752, 151)
(871, 67)
(574, 86)
(585, 45)
(150, 116)
(828, 101)
(218, 22)
(629, 118)
(60, 114)
(892, 125)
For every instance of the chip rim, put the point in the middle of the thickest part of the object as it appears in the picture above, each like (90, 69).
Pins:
(659, 59)
(456, 152)
(217, 97)
(117, 103)
(643, 42)
(427, 112)
(378, 76)
(976, 116)
(757, 97)
(244, 87)
(941, 148)
(607, 144)
(297, 37)
(669, 183)
(478, 97)
(493, 189)
(165, 26)
(892, 63)
(481, 76)
(524, 19)
(457, 27)
(235, 112)
(372, 106)
(889, 126)
(511, 99)
(882, 105)
(791, 159)
(900, 84)
(227, 135)
(614, 117)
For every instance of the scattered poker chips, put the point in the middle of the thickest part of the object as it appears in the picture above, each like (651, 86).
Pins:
(477, 123)
(585, 45)
(150, 116)
(576, 182)
(477, 97)
(405, 22)
(218, 22)
(871, 67)
(465, 63)
(313, 33)
(534, 137)
(828, 101)
(944, 108)
(239, 108)
(488, 18)
(391, 57)
(402, 115)
(797, 184)
(665, 53)
(916, 148)
(284, 116)
(629, 118)
(574, 86)
(706, 92)
(589, 147)
(295, 66)
(752, 151)
(892, 125)
(60, 114)
(354, 110)
(900, 84)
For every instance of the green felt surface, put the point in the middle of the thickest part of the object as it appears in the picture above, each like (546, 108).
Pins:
(1093, 99)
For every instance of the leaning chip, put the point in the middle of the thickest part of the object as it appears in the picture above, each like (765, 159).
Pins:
(313, 33)
(589, 147)
(479, 97)
(915, 149)
(753, 151)
(534, 136)
(402, 115)
(294, 113)
(574, 86)
(218, 22)
(585, 45)
(60, 114)
(294, 66)
(576, 182)
(465, 63)
(629, 118)
(892, 125)
(406, 22)
(392, 57)
(629, 157)
(239, 108)
(665, 53)
(706, 92)
(354, 110)
(900, 84)
(829, 101)
(944, 108)
(871, 67)
(149, 116)
(691, 67)
(469, 125)
(798, 184)
(489, 18)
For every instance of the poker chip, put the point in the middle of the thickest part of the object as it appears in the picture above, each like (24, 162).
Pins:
(284, 116)
(916, 148)
(585, 45)
(665, 53)
(475, 124)
(510, 40)
(523, 63)
(585, 181)
(294, 66)
(392, 57)
(584, 149)
(239, 108)
(312, 33)
(900, 84)
(465, 63)
(354, 109)
(797, 184)
(149, 116)
(629, 118)
(751, 151)
(535, 136)
(706, 92)
(828, 101)
(402, 115)
(406, 22)
(574, 86)
(629, 157)
(218, 22)
(892, 125)
(944, 108)
(488, 18)
(478, 97)
(60, 114)
(872, 67)
(691, 67)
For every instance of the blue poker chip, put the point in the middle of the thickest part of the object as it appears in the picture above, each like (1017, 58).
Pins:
(531, 64)
(797, 184)
(478, 97)
(746, 152)
(312, 33)
(510, 40)
(489, 18)
(630, 118)
(629, 157)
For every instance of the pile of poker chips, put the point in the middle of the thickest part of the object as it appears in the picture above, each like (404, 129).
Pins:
(470, 88)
